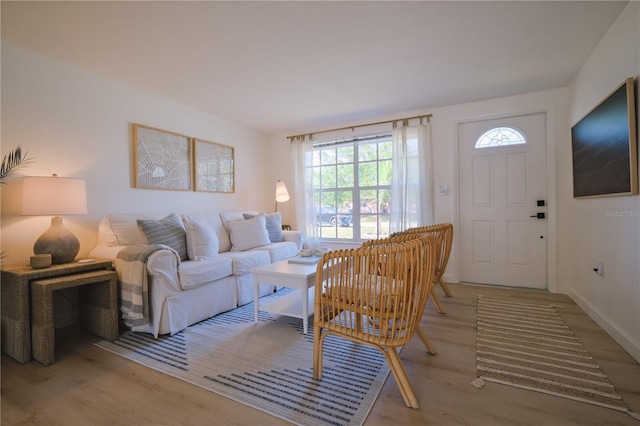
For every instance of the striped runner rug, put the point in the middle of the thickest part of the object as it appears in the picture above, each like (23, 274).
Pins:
(531, 347)
(267, 366)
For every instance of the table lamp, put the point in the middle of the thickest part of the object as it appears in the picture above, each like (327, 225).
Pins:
(53, 195)
(282, 194)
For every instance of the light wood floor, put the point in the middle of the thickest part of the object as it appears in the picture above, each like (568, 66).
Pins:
(90, 386)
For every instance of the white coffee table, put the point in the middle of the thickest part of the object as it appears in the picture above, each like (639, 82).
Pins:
(297, 304)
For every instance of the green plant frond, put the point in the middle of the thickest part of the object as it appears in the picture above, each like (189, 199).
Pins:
(11, 162)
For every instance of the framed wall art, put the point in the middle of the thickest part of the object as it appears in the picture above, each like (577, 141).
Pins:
(162, 159)
(213, 166)
(605, 147)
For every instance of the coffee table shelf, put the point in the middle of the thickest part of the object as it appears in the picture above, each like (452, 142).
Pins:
(290, 304)
(298, 304)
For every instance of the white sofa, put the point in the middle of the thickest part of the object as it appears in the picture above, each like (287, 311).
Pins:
(213, 276)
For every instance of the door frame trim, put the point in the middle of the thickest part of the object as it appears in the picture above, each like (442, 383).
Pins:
(550, 184)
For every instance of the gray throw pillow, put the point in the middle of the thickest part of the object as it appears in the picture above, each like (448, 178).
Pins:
(274, 227)
(168, 231)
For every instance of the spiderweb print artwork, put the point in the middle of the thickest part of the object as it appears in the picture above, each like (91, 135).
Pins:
(163, 159)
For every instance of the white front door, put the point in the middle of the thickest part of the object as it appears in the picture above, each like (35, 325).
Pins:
(501, 187)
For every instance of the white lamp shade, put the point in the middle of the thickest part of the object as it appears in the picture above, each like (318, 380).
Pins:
(52, 195)
(282, 194)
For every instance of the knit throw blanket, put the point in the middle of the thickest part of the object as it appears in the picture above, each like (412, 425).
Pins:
(131, 266)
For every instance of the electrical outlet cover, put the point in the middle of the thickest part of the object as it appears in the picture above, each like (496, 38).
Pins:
(599, 268)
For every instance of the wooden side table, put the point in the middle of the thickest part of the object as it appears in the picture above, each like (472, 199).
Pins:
(16, 301)
(98, 309)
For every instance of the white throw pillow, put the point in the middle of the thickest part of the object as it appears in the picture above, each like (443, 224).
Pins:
(248, 234)
(273, 225)
(202, 241)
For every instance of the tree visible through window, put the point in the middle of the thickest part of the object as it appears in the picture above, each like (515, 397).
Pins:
(500, 136)
(352, 187)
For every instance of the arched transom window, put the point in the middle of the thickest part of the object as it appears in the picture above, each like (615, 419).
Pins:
(500, 136)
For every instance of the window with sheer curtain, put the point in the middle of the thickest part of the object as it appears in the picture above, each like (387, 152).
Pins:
(352, 187)
(363, 187)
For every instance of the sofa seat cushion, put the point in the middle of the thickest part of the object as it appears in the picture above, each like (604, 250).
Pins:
(192, 273)
(245, 261)
(279, 251)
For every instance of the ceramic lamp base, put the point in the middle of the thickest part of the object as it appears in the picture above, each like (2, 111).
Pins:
(59, 242)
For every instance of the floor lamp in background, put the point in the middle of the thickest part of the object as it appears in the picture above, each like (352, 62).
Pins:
(53, 195)
(282, 194)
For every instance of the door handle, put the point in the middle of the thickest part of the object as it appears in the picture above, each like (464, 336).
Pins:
(539, 216)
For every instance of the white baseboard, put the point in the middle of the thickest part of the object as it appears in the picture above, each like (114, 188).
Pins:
(633, 348)
(450, 279)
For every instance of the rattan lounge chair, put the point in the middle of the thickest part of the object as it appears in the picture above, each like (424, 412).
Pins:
(374, 295)
(443, 234)
(402, 238)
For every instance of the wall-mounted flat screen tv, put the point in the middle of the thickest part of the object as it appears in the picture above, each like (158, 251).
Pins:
(605, 147)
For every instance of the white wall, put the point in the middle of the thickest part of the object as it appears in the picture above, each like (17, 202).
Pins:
(444, 132)
(580, 232)
(78, 124)
(597, 231)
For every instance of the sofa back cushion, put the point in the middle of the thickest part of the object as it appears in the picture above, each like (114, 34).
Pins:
(231, 216)
(168, 231)
(106, 236)
(125, 230)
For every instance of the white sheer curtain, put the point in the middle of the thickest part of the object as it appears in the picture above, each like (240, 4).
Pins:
(412, 180)
(305, 200)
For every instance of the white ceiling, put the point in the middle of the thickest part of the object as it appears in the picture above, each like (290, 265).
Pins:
(278, 66)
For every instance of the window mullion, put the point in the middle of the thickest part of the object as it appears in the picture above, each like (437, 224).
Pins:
(355, 208)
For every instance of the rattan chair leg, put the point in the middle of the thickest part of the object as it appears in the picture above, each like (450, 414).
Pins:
(359, 322)
(426, 341)
(402, 380)
(445, 288)
(318, 341)
(435, 299)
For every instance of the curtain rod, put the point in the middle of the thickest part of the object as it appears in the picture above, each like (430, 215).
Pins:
(405, 120)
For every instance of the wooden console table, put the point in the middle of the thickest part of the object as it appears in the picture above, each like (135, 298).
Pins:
(16, 287)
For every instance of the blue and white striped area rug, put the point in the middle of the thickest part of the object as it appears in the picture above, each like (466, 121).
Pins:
(531, 347)
(267, 366)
